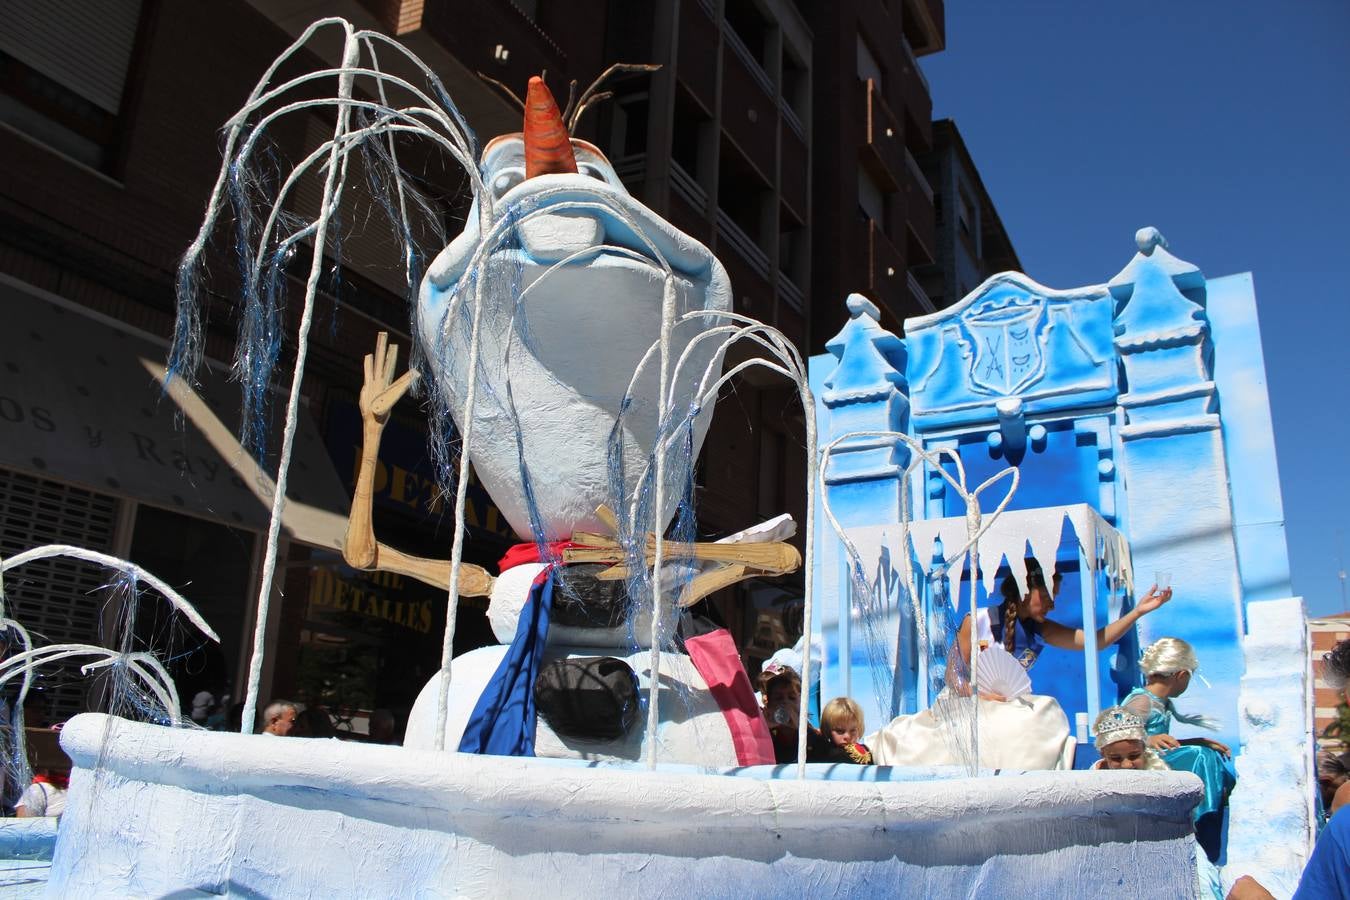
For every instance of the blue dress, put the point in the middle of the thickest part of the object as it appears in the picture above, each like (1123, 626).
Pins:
(1205, 762)
(1027, 640)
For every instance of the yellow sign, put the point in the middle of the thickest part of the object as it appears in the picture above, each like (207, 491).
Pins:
(395, 484)
(369, 595)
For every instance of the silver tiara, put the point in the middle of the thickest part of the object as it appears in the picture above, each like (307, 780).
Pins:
(1118, 724)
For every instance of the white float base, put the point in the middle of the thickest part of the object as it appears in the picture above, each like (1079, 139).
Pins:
(159, 812)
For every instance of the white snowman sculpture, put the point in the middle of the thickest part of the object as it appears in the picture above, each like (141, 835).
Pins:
(568, 275)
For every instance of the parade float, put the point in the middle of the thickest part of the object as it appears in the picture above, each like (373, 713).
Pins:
(571, 345)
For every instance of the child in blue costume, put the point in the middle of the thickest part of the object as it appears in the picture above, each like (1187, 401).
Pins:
(1167, 666)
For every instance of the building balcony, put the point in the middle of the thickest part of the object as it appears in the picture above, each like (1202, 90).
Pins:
(883, 147)
(632, 171)
(918, 294)
(920, 217)
(917, 104)
(473, 39)
(687, 187)
(794, 171)
(925, 25)
(730, 234)
(886, 275)
(790, 294)
(749, 111)
(698, 37)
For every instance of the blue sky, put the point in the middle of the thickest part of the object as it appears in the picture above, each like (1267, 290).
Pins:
(1226, 125)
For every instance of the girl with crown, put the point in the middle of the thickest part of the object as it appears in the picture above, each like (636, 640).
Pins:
(1121, 742)
(1167, 665)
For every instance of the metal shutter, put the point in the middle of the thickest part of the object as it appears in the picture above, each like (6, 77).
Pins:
(57, 600)
(83, 45)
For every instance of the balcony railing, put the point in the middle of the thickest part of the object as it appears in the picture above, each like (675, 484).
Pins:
(791, 294)
(791, 118)
(730, 232)
(687, 187)
(631, 169)
(914, 63)
(920, 295)
(884, 138)
(751, 64)
(913, 166)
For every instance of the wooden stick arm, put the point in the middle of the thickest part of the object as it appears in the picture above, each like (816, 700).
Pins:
(360, 549)
(775, 557)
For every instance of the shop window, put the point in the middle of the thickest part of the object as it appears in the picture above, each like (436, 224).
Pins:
(211, 566)
(353, 642)
(57, 600)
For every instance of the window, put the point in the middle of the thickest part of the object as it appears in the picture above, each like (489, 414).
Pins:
(871, 199)
(868, 67)
(63, 72)
(966, 214)
(629, 134)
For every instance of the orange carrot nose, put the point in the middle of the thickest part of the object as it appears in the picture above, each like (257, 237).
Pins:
(548, 146)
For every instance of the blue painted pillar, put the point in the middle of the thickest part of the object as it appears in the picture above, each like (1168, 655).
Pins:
(860, 386)
(1175, 488)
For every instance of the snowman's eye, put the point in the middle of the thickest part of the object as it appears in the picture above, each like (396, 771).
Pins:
(592, 171)
(506, 179)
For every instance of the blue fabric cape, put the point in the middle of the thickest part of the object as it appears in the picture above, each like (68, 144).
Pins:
(502, 723)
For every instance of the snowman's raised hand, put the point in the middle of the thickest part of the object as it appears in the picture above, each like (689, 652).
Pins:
(380, 392)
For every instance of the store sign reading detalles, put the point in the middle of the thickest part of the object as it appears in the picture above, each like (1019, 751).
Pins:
(366, 596)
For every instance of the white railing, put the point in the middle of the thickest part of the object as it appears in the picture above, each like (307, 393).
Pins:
(730, 232)
(912, 164)
(756, 70)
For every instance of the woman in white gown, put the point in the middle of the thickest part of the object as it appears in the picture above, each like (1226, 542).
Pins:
(1028, 731)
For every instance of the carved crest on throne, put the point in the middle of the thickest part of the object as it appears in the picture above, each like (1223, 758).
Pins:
(1006, 336)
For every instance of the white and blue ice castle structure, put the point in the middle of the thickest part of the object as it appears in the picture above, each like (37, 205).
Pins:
(1137, 414)
(1137, 417)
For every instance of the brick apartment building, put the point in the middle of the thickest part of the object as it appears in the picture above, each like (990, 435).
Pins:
(794, 139)
(1326, 632)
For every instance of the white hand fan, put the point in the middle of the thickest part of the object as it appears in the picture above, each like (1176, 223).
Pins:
(1001, 673)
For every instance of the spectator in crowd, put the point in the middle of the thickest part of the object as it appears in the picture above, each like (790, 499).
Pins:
(1121, 741)
(783, 697)
(234, 722)
(1333, 778)
(841, 723)
(46, 796)
(279, 717)
(1333, 767)
(382, 727)
(317, 722)
(1327, 875)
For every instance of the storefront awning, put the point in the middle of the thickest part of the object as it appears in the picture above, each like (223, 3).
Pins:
(82, 401)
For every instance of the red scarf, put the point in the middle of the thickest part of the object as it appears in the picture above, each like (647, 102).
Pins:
(519, 554)
(60, 782)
